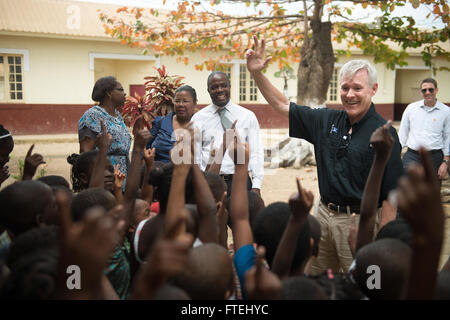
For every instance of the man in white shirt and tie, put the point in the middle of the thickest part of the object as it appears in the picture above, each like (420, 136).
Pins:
(427, 123)
(213, 120)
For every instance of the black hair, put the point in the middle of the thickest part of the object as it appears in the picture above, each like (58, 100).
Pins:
(188, 89)
(301, 288)
(216, 184)
(429, 80)
(80, 165)
(268, 228)
(161, 178)
(255, 205)
(102, 87)
(32, 277)
(55, 180)
(90, 198)
(214, 73)
(397, 229)
(392, 257)
(21, 203)
(46, 237)
(338, 286)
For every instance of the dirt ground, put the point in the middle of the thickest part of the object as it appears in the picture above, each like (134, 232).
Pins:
(278, 184)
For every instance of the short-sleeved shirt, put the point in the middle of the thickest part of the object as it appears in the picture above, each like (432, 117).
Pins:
(343, 160)
(162, 138)
(89, 125)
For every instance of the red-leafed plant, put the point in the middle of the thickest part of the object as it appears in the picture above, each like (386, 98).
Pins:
(158, 99)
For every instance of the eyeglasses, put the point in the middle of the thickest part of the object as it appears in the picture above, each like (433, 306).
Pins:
(342, 150)
(431, 90)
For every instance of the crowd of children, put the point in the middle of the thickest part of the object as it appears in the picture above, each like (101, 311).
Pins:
(166, 236)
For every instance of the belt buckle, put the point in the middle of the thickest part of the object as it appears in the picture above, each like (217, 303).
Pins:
(336, 207)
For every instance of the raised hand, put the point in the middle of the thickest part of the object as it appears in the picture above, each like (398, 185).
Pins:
(260, 283)
(87, 244)
(119, 178)
(149, 157)
(382, 141)
(238, 151)
(104, 139)
(255, 56)
(32, 161)
(140, 139)
(301, 202)
(418, 198)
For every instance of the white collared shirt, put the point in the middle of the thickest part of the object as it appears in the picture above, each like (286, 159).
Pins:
(207, 121)
(426, 126)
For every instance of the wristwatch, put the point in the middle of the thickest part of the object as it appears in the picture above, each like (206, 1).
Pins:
(446, 161)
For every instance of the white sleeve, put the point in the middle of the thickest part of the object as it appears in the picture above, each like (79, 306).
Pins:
(446, 135)
(404, 127)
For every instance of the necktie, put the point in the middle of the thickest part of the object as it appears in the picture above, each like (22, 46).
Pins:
(226, 122)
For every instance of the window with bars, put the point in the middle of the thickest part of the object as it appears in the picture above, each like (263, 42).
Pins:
(11, 78)
(247, 86)
(333, 88)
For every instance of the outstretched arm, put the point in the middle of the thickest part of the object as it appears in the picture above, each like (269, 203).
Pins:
(255, 65)
(103, 141)
(300, 204)
(206, 206)
(240, 224)
(382, 142)
(419, 200)
(147, 188)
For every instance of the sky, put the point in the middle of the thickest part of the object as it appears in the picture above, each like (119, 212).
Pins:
(359, 14)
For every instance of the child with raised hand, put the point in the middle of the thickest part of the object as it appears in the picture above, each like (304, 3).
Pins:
(245, 256)
(32, 161)
(418, 199)
(87, 244)
(382, 142)
(300, 204)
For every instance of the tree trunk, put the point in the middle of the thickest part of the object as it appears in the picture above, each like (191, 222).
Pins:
(316, 66)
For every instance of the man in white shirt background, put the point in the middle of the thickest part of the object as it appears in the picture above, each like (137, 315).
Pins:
(427, 123)
(213, 120)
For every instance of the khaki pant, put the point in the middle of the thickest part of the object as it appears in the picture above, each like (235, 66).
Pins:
(334, 250)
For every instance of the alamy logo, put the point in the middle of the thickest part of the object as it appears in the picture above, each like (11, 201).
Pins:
(74, 280)
(374, 281)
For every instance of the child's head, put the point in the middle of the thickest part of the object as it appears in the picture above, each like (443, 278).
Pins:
(54, 180)
(46, 237)
(141, 212)
(161, 178)
(32, 277)
(255, 205)
(91, 198)
(24, 204)
(338, 286)
(301, 288)
(208, 273)
(392, 260)
(268, 228)
(397, 229)
(82, 167)
(6, 146)
(216, 184)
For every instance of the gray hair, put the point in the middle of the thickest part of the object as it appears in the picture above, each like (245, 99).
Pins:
(350, 68)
